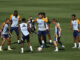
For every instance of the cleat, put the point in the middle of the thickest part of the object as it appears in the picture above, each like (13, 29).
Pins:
(56, 50)
(1, 49)
(9, 49)
(74, 47)
(63, 46)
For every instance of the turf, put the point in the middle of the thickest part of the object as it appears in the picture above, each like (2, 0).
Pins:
(59, 9)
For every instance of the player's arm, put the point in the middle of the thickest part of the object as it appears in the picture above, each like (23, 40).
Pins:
(2, 27)
(70, 26)
(48, 24)
(59, 29)
(10, 20)
(29, 28)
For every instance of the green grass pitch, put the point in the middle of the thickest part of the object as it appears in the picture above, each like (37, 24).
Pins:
(59, 9)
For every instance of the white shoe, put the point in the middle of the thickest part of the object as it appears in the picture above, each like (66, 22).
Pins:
(9, 49)
(74, 47)
(56, 50)
(79, 47)
(1, 49)
(63, 46)
(22, 50)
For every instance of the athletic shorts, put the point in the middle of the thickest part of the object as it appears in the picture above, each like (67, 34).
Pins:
(5, 36)
(75, 33)
(15, 29)
(26, 38)
(41, 33)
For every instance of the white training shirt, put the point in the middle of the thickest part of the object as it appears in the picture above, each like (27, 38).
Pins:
(75, 25)
(24, 29)
(15, 21)
(5, 29)
(41, 25)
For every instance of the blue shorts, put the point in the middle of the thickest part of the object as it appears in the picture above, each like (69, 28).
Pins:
(41, 33)
(26, 38)
(47, 32)
(15, 29)
(5, 36)
(75, 33)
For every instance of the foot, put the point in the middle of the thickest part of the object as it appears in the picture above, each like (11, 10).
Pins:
(74, 47)
(18, 41)
(51, 43)
(63, 46)
(1, 49)
(56, 50)
(9, 49)
(79, 47)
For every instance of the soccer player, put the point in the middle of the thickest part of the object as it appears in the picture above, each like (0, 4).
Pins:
(41, 29)
(32, 24)
(25, 35)
(47, 28)
(15, 21)
(5, 34)
(75, 24)
(57, 35)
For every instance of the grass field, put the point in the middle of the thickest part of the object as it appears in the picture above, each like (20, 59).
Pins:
(59, 9)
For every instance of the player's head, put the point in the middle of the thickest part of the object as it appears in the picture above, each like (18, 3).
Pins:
(73, 16)
(15, 13)
(43, 14)
(23, 20)
(7, 21)
(31, 17)
(40, 15)
(54, 21)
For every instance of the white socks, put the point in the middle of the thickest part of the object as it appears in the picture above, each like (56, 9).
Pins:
(50, 41)
(79, 44)
(22, 50)
(18, 41)
(43, 42)
(75, 44)
(8, 46)
(31, 49)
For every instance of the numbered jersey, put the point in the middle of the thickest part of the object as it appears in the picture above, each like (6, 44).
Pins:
(15, 20)
(41, 24)
(75, 24)
(24, 29)
(5, 29)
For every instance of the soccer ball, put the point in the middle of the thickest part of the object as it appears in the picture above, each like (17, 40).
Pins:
(39, 49)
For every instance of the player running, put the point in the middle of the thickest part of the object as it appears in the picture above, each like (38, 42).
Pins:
(75, 24)
(15, 21)
(47, 29)
(25, 35)
(5, 34)
(41, 29)
(57, 35)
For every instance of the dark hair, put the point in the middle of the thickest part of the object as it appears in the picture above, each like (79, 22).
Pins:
(40, 13)
(15, 11)
(23, 20)
(7, 19)
(74, 15)
(43, 13)
(54, 20)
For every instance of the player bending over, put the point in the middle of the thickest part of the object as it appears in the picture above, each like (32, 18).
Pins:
(75, 24)
(25, 35)
(57, 35)
(41, 29)
(5, 34)
(15, 21)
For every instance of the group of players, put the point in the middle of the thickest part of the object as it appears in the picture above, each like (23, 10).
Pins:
(15, 23)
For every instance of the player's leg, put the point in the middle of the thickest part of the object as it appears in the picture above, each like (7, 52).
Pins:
(49, 36)
(75, 39)
(9, 43)
(39, 38)
(59, 41)
(29, 44)
(4, 39)
(2, 44)
(17, 33)
(55, 44)
(22, 44)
